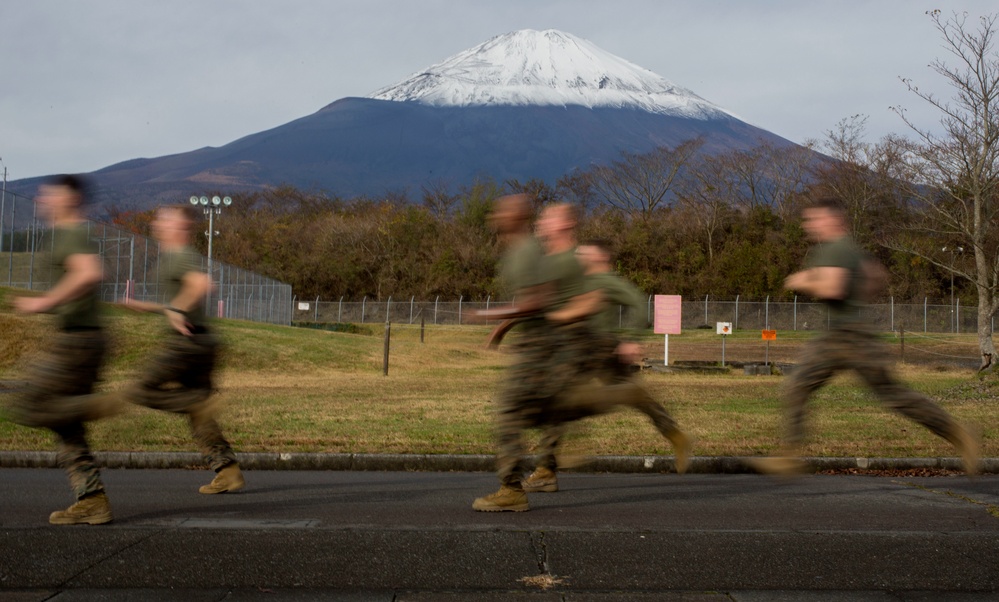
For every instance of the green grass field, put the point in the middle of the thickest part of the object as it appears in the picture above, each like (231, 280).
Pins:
(303, 390)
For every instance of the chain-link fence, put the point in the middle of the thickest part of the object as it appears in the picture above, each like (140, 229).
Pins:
(702, 313)
(130, 267)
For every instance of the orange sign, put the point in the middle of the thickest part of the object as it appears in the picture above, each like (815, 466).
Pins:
(769, 335)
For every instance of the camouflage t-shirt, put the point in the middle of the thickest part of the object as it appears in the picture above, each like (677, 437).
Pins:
(620, 297)
(81, 312)
(174, 265)
(841, 253)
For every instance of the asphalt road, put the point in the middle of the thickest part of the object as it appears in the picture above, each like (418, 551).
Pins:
(412, 536)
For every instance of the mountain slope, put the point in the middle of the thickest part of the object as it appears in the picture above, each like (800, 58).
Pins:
(523, 105)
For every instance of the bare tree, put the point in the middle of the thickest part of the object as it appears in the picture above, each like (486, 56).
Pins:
(707, 196)
(638, 184)
(769, 176)
(955, 173)
(864, 175)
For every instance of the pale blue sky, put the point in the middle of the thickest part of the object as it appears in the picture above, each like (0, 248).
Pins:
(89, 84)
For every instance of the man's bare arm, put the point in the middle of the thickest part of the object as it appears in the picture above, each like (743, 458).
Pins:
(824, 282)
(83, 273)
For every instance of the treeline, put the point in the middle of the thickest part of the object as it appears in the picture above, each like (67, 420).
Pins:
(682, 221)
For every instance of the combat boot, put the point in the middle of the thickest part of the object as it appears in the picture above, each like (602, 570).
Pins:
(91, 510)
(541, 480)
(967, 445)
(229, 478)
(682, 444)
(507, 499)
(785, 466)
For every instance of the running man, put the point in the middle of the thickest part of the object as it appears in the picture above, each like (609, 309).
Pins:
(178, 379)
(60, 388)
(837, 272)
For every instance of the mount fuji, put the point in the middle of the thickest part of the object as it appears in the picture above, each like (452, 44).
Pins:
(527, 104)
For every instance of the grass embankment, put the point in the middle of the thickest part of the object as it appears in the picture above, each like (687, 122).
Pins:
(303, 390)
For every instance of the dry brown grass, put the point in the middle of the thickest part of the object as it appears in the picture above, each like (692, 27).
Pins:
(287, 389)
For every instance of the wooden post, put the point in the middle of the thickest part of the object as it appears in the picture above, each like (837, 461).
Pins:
(388, 335)
(423, 324)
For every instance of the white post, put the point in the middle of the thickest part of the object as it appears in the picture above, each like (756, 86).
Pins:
(666, 350)
(460, 298)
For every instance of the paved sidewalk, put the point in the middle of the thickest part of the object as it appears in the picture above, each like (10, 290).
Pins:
(411, 536)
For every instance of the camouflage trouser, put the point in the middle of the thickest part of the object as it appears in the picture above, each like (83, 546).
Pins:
(521, 401)
(60, 383)
(548, 385)
(621, 389)
(178, 379)
(857, 348)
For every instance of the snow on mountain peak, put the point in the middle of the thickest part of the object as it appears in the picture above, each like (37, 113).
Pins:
(550, 67)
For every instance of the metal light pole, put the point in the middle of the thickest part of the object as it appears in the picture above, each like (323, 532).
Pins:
(215, 208)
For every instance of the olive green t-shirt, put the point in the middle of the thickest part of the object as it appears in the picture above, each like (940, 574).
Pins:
(174, 265)
(841, 253)
(618, 293)
(519, 269)
(81, 312)
(566, 274)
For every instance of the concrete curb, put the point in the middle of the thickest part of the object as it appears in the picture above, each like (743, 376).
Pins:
(469, 463)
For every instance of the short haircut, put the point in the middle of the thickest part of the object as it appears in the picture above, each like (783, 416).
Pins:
(601, 243)
(78, 184)
(830, 203)
(570, 211)
(188, 212)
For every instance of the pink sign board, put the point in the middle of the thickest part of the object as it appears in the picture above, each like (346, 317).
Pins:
(667, 314)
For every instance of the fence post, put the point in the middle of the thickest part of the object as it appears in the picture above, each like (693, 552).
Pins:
(363, 302)
(891, 301)
(31, 264)
(487, 301)
(957, 317)
(339, 311)
(316, 314)
(924, 314)
(388, 337)
(411, 309)
(795, 312)
(388, 309)
(705, 309)
(460, 298)
(736, 325)
(766, 313)
(435, 308)
(648, 311)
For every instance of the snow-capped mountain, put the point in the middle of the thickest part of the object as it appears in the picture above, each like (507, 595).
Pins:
(545, 68)
(524, 105)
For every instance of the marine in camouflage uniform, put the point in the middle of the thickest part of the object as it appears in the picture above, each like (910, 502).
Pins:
(178, 378)
(836, 273)
(59, 394)
(604, 347)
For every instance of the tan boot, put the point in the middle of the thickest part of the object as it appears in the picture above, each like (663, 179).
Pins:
(967, 445)
(541, 480)
(507, 499)
(682, 444)
(785, 466)
(230, 478)
(91, 510)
